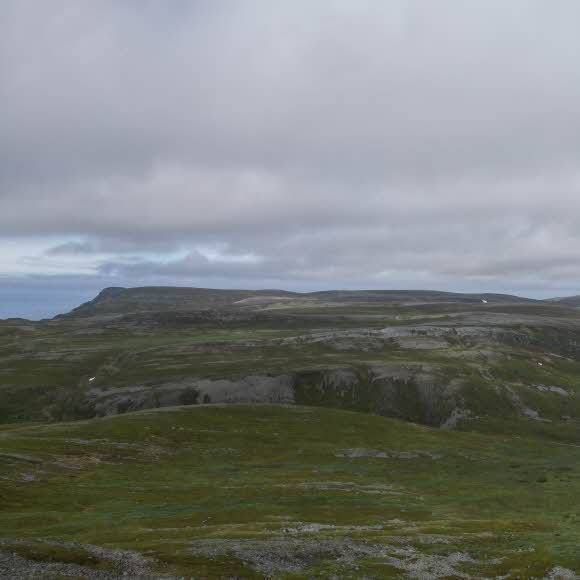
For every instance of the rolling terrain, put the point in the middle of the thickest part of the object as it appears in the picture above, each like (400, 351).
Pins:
(410, 434)
(573, 301)
(258, 491)
(458, 361)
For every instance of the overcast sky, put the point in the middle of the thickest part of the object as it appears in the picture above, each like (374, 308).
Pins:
(289, 144)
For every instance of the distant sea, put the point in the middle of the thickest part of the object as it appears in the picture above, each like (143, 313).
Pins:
(36, 302)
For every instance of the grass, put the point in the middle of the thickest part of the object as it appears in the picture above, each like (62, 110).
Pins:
(169, 479)
(50, 362)
(229, 491)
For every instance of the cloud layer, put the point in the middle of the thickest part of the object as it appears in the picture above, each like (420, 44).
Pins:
(298, 144)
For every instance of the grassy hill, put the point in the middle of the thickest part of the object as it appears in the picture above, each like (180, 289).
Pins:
(254, 491)
(454, 364)
(158, 298)
(460, 459)
(573, 301)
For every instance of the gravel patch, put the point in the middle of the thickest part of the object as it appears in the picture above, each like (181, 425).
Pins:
(123, 563)
(358, 452)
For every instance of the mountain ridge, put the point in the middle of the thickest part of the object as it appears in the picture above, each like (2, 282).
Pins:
(121, 300)
(573, 301)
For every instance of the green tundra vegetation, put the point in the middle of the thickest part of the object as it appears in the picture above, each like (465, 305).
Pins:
(374, 435)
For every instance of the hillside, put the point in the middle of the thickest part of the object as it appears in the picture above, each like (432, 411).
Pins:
(459, 461)
(573, 301)
(152, 298)
(273, 491)
(449, 361)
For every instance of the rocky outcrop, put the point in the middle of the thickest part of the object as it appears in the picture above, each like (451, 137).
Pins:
(250, 389)
(410, 391)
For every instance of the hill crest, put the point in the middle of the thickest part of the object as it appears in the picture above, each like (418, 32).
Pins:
(120, 300)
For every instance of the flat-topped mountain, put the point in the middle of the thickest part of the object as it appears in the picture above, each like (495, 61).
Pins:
(116, 300)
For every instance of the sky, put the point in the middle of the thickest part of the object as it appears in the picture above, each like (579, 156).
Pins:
(298, 145)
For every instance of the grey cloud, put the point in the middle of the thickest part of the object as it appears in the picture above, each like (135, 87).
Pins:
(111, 245)
(340, 142)
(74, 247)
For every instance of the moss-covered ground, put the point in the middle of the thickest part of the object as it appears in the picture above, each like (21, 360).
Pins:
(167, 482)
(214, 491)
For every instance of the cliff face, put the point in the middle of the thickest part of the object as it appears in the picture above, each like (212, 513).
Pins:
(416, 392)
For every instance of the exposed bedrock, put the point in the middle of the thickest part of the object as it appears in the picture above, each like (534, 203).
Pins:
(411, 391)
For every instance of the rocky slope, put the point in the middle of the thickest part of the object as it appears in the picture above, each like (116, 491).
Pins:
(444, 360)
